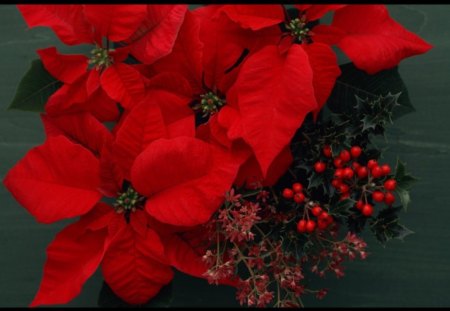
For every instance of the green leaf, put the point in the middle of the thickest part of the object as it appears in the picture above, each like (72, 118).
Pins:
(403, 194)
(353, 81)
(386, 226)
(108, 299)
(404, 179)
(34, 89)
(343, 207)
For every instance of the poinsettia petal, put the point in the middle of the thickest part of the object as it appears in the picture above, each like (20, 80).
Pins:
(111, 172)
(65, 68)
(316, 11)
(136, 277)
(124, 84)
(250, 172)
(325, 70)
(192, 184)
(157, 34)
(182, 158)
(66, 20)
(142, 125)
(102, 107)
(225, 42)
(117, 22)
(271, 115)
(120, 54)
(186, 55)
(373, 40)
(72, 258)
(172, 82)
(48, 184)
(177, 115)
(81, 128)
(183, 256)
(69, 98)
(255, 16)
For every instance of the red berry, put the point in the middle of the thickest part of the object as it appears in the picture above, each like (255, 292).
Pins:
(320, 167)
(338, 162)
(324, 215)
(345, 156)
(297, 187)
(376, 172)
(367, 210)
(327, 151)
(372, 163)
(348, 173)
(299, 197)
(288, 193)
(339, 173)
(344, 188)
(378, 196)
(390, 184)
(336, 183)
(359, 204)
(316, 210)
(322, 224)
(389, 198)
(329, 219)
(344, 196)
(356, 165)
(355, 151)
(310, 226)
(301, 226)
(386, 169)
(362, 172)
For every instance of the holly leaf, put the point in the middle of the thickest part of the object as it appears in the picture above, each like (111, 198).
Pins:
(386, 226)
(405, 181)
(107, 298)
(354, 81)
(344, 207)
(34, 89)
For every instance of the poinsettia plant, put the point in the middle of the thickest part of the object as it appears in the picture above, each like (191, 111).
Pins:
(225, 142)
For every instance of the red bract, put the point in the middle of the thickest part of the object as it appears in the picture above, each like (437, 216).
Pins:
(58, 189)
(148, 32)
(370, 37)
(192, 184)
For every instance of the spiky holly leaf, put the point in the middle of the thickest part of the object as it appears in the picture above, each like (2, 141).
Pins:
(376, 113)
(386, 226)
(34, 89)
(344, 207)
(354, 81)
(404, 183)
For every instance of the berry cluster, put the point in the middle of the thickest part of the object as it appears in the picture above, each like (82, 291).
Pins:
(352, 179)
(311, 208)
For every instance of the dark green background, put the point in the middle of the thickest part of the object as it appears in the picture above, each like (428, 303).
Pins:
(413, 273)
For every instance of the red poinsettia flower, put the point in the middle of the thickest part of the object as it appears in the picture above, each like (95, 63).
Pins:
(149, 30)
(370, 37)
(146, 31)
(297, 67)
(122, 238)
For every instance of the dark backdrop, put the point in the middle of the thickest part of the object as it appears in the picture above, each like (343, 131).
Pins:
(413, 273)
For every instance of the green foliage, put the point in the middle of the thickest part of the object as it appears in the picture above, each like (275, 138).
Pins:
(34, 89)
(404, 183)
(354, 81)
(386, 226)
